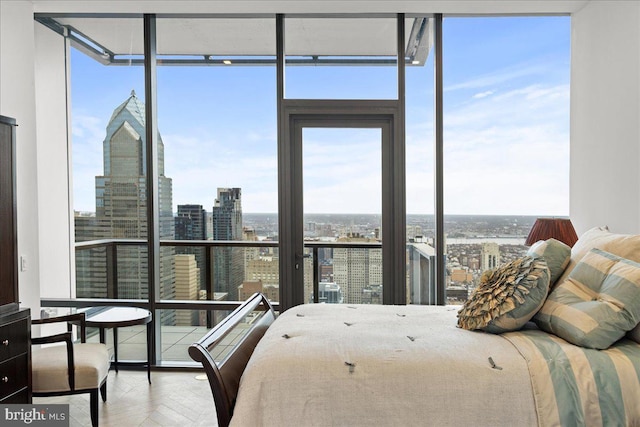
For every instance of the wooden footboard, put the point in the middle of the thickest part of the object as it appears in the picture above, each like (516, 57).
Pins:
(240, 331)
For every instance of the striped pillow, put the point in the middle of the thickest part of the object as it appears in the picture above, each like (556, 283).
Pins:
(624, 245)
(597, 303)
(556, 253)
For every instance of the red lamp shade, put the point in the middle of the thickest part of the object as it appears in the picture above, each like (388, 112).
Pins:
(557, 228)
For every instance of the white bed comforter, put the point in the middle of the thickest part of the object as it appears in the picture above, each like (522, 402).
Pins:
(357, 365)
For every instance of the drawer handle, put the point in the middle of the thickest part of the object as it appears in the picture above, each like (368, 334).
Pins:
(5, 379)
(5, 342)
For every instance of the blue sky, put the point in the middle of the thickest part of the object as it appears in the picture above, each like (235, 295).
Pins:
(506, 126)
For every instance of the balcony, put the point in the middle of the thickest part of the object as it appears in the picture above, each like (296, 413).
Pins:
(183, 321)
(184, 317)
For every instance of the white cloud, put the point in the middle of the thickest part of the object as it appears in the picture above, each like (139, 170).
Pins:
(199, 164)
(342, 171)
(499, 77)
(87, 135)
(506, 152)
(509, 153)
(483, 94)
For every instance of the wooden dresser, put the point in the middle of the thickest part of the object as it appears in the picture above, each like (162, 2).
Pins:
(15, 324)
(15, 357)
(8, 229)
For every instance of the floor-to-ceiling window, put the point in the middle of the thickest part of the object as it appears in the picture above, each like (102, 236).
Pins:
(108, 151)
(505, 152)
(331, 60)
(217, 118)
(420, 174)
(506, 138)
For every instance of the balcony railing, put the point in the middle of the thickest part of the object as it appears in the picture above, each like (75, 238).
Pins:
(215, 309)
(111, 262)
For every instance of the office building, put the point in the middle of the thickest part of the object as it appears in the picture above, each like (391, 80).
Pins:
(121, 212)
(357, 270)
(489, 256)
(228, 262)
(191, 224)
(187, 288)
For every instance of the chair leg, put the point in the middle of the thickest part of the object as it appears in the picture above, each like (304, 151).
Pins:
(94, 407)
(103, 391)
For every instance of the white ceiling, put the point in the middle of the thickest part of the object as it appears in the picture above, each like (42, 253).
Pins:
(313, 6)
(246, 36)
(205, 32)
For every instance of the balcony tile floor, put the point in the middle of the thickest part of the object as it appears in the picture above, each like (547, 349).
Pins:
(132, 342)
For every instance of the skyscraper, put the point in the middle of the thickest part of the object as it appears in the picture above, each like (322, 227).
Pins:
(187, 288)
(489, 256)
(191, 224)
(358, 271)
(121, 212)
(228, 263)
(421, 259)
(227, 214)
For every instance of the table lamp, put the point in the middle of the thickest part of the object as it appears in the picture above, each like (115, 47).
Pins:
(557, 228)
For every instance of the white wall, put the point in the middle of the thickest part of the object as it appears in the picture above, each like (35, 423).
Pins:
(17, 100)
(56, 229)
(605, 111)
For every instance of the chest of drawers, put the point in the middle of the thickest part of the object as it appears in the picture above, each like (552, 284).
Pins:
(15, 357)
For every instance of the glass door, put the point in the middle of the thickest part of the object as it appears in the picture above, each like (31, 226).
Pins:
(341, 189)
(342, 214)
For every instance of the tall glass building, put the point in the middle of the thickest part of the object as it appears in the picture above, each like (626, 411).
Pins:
(191, 224)
(228, 263)
(121, 213)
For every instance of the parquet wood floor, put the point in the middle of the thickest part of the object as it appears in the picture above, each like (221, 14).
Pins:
(173, 399)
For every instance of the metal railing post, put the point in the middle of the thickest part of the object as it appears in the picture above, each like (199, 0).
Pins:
(112, 270)
(209, 284)
(316, 275)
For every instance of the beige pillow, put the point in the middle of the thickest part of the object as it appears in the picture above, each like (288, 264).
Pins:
(597, 304)
(624, 245)
(555, 253)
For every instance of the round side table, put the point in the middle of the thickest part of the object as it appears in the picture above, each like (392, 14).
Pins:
(120, 317)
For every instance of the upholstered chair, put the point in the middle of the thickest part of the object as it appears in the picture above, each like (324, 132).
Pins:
(72, 368)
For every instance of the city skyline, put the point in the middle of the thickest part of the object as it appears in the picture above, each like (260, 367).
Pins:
(355, 272)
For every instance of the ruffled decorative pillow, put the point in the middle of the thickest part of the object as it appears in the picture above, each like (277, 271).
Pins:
(507, 297)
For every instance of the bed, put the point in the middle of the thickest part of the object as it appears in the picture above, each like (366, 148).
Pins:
(406, 365)
(352, 365)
